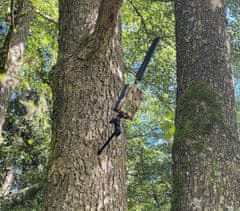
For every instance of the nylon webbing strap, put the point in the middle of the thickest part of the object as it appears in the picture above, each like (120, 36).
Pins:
(147, 59)
(139, 75)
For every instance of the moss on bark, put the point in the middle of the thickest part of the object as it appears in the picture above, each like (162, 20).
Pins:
(200, 109)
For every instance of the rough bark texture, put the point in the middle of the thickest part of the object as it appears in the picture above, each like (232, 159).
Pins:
(86, 83)
(206, 161)
(11, 56)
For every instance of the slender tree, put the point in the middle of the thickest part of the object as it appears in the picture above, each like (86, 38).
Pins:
(11, 55)
(206, 162)
(86, 83)
(11, 60)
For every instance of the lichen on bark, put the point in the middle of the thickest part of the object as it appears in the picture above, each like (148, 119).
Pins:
(200, 109)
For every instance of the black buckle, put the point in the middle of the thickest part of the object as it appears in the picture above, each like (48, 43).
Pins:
(117, 131)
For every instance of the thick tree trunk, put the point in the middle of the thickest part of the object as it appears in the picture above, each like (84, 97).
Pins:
(86, 83)
(11, 56)
(206, 161)
(206, 148)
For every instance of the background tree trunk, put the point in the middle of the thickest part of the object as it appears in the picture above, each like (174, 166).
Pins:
(11, 60)
(11, 56)
(8, 182)
(86, 83)
(206, 165)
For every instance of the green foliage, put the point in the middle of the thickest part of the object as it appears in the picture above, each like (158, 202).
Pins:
(27, 130)
(29, 204)
(149, 136)
(149, 157)
(47, 7)
(27, 137)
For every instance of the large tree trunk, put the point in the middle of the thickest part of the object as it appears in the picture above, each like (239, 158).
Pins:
(206, 161)
(11, 55)
(86, 84)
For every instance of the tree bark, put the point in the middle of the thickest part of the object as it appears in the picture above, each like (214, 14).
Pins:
(86, 83)
(8, 182)
(11, 56)
(206, 161)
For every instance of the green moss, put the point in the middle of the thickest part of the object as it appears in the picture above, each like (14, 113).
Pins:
(199, 112)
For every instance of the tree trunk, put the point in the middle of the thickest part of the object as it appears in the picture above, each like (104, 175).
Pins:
(206, 161)
(8, 182)
(11, 56)
(86, 83)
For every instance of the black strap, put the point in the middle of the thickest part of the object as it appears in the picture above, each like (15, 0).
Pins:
(147, 59)
(117, 131)
(116, 121)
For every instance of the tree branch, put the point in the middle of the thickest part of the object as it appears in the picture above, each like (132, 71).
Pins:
(21, 196)
(46, 17)
(107, 23)
(143, 22)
